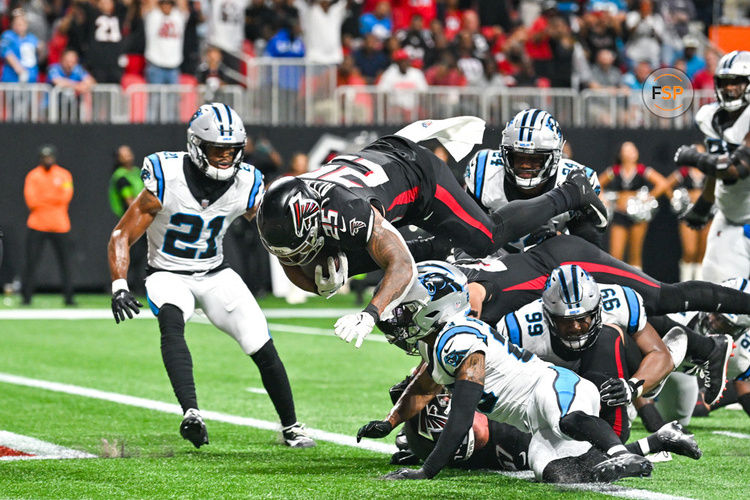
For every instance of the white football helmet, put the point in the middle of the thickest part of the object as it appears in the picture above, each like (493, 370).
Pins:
(733, 68)
(533, 132)
(571, 293)
(216, 125)
(724, 323)
(420, 313)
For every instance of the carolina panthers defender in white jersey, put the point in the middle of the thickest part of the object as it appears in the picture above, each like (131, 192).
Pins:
(188, 202)
(487, 373)
(601, 333)
(726, 126)
(528, 164)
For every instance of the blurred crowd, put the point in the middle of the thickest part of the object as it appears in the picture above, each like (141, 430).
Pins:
(390, 43)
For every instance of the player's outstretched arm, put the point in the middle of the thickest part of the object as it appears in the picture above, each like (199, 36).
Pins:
(467, 393)
(417, 394)
(128, 230)
(388, 249)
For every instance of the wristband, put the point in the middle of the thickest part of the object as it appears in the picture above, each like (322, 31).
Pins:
(638, 386)
(372, 311)
(119, 284)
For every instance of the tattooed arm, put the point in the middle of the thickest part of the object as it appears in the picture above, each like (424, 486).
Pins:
(417, 394)
(388, 249)
(467, 393)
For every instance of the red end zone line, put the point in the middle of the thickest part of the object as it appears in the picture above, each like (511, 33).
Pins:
(19, 447)
(10, 452)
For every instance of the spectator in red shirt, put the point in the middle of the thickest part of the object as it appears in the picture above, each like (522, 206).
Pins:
(445, 72)
(538, 43)
(452, 19)
(405, 10)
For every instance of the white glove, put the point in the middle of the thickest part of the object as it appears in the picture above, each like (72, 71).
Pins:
(23, 76)
(327, 287)
(354, 325)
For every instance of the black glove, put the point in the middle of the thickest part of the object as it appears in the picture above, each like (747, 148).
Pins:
(123, 303)
(698, 215)
(405, 474)
(618, 391)
(375, 429)
(741, 161)
(691, 157)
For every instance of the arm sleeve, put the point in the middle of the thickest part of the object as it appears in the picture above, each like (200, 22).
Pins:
(585, 229)
(466, 396)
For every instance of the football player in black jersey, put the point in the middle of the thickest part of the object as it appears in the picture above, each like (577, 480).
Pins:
(352, 205)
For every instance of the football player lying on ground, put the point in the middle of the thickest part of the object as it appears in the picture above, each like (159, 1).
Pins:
(498, 287)
(494, 445)
(189, 201)
(601, 333)
(678, 399)
(488, 373)
(313, 222)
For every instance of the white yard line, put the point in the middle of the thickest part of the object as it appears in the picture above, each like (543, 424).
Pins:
(732, 434)
(146, 314)
(39, 449)
(255, 390)
(331, 437)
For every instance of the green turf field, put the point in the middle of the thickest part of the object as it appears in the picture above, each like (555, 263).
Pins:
(337, 388)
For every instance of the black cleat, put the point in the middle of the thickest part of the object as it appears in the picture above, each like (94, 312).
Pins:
(716, 368)
(624, 465)
(193, 429)
(296, 436)
(674, 438)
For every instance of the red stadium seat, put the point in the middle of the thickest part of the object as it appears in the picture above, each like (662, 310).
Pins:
(188, 100)
(138, 100)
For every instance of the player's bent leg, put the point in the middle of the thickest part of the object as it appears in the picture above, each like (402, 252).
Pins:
(726, 251)
(231, 307)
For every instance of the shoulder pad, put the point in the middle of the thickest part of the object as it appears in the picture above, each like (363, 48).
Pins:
(704, 117)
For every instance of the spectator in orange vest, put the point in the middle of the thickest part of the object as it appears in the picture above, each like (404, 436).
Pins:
(48, 190)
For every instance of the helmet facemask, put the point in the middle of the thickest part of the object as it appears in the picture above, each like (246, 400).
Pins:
(202, 150)
(540, 161)
(564, 328)
(401, 329)
(720, 324)
(732, 91)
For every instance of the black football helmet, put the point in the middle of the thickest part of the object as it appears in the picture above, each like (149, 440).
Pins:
(289, 221)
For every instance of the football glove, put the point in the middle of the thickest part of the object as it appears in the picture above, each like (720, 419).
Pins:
(691, 157)
(698, 215)
(124, 303)
(376, 429)
(741, 161)
(327, 287)
(357, 325)
(618, 391)
(405, 474)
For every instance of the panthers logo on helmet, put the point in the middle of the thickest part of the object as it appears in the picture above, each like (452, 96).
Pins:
(304, 211)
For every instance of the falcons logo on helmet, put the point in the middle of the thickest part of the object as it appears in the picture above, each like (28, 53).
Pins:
(304, 212)
(434, 417)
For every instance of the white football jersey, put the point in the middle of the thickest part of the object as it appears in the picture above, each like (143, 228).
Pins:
(485, 182)
(732, 199)
(510, 372)
(739, 363)
(188, 234)
(621, 306)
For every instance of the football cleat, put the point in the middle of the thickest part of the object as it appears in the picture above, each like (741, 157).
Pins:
(591, 206)
(716, 368)
(193, 429)
(620, 466)
(674, 438)
(296, 436)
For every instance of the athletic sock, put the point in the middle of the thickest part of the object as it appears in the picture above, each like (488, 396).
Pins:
(176, 356)
(583, 427)
(652, 419)
(275, 381)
